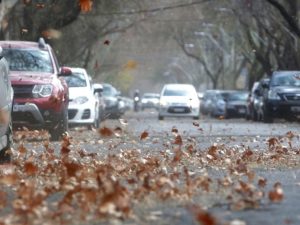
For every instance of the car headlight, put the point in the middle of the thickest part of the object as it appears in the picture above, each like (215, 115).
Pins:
(163, 102)
(272, 95)
(42, 90)
(80, 100)
(121, 104)
(221, 104)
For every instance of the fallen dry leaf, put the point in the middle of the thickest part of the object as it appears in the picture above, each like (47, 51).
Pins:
(105, 132)
(144, 135)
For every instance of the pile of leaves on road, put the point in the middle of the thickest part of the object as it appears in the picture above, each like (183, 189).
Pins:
(74, 185)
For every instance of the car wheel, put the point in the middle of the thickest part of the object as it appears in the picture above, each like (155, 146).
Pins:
(4, 154)
(61, 127)
(196, 117)
(160, 117)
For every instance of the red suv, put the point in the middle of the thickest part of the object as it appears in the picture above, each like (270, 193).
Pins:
(40, 93)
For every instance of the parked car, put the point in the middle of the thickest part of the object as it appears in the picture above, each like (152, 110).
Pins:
(236, 104)
(282, 96)
(6, 99)
(114, 105)
(83, 104)
(98, 89)
(179, 100)
(150, 100)
(128, 102)
(40, 93)
(218, 103)
(206, 101)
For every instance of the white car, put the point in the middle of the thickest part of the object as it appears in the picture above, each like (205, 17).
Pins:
(180, 100)
(83, 103)
(150, 100)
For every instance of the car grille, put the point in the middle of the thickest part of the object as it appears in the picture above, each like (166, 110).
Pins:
(86, 114)
(179, 109)
(240, 108)
(72, 113)
(292, 97)
(23, 91)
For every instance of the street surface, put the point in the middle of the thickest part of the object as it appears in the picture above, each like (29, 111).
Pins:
(233, 133)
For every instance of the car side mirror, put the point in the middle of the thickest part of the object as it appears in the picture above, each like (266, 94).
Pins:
(98, 88)
(65, 71)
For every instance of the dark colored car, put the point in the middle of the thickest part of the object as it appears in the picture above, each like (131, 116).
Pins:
(40, 94)
(206, 101)
(236, 104)
(6, 99)
(114, 106)
(218, 104)
(282, 96)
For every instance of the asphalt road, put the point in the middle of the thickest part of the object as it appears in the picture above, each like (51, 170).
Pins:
(206, 132)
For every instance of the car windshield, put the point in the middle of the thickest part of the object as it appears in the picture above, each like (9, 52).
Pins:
(178, 92)
(32, 60)
(109, 91)
(225, 95)
(238, 97)
(286, 79)
(151, 96)
(76, 80)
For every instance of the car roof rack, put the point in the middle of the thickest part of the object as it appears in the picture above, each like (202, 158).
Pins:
(42, 43)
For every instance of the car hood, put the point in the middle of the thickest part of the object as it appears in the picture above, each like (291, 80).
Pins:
(286, 89)
(20, 77)
(178, 99)
(75, 92)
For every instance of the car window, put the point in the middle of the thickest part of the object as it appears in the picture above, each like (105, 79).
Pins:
(178, 92)
(286, 80)
(238, 97)
(33, 60)
(109, 91)
(76, 80)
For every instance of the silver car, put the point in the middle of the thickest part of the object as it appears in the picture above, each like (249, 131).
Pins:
(180, 100)
(6, 98)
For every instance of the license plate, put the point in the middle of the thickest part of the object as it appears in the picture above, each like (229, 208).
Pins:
(242, 110)
(18, 108)
(178, 110)
(295, 108)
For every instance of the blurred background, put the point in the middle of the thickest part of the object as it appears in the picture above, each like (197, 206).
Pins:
(143, 44)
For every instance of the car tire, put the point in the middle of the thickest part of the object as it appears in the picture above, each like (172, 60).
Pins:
(61, 127)
(196, 117)
(5, 156)
(160, 117)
